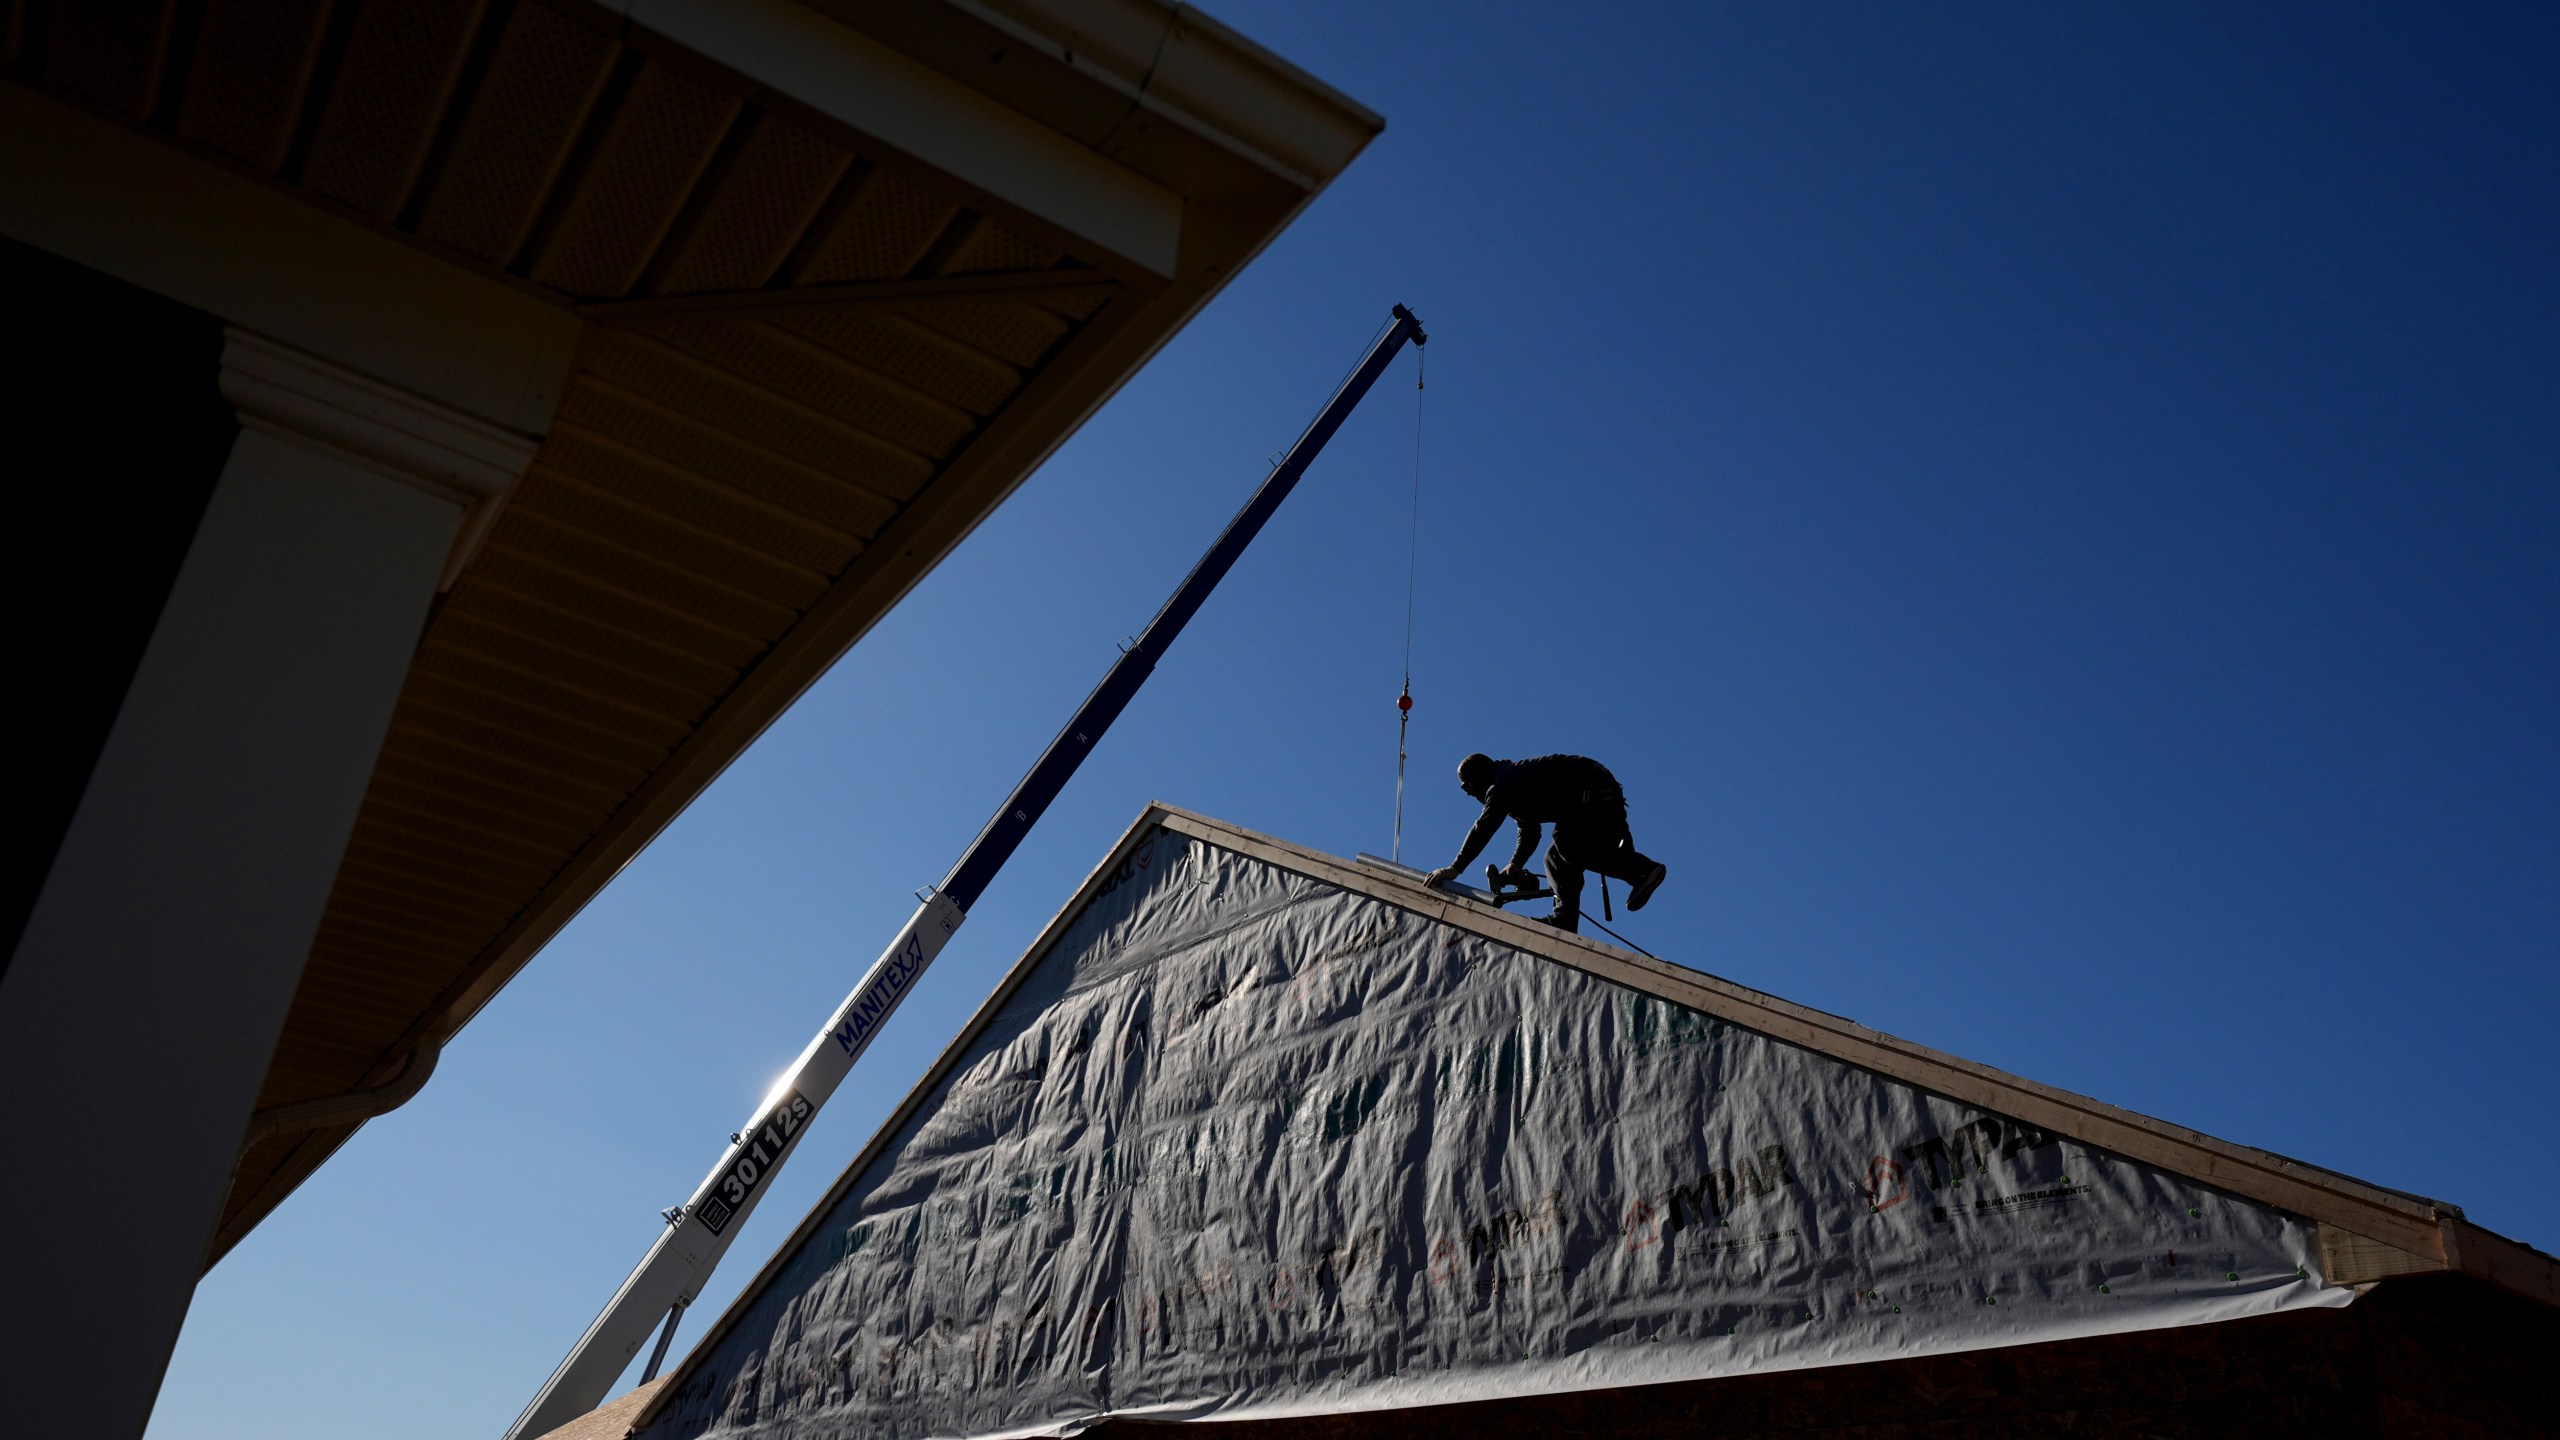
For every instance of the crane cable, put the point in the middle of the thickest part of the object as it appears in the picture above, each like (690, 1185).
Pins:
(1412, 566)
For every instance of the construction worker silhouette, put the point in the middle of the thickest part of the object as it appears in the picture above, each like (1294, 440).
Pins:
(1582, 800)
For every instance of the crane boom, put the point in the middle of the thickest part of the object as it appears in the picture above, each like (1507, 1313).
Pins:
(698, 1233)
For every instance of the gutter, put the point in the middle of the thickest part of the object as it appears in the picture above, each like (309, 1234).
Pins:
(356, 1106)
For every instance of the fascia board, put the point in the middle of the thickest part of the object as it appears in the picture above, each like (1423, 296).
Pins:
(2509, 1264)
(1223, 86)
(1115, 73)
(857, 81)
(1190, 67)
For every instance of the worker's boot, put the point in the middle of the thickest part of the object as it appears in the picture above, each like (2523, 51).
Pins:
(1648, 879)
(1564, 920)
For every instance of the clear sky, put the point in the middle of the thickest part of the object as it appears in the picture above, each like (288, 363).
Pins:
(2052, 511)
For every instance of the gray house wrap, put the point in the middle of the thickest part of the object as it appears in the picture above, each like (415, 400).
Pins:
(1239, 1139)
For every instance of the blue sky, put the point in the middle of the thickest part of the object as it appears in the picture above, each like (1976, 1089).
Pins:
(2051, 511)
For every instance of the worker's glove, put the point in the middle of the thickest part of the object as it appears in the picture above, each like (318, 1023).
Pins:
(1439, 877)
(1518, 877)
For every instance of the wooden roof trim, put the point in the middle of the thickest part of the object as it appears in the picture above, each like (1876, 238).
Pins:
(2509, 1264)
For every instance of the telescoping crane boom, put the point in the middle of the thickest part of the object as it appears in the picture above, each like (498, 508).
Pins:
(699, 1232)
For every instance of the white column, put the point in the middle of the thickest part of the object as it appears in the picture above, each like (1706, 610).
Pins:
(141, 1007)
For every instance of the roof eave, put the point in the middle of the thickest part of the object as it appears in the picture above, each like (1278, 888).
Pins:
(1211, 141)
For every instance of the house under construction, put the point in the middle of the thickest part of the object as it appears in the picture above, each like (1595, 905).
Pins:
(1258, 1135)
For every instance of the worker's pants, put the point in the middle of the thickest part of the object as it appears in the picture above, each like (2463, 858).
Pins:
(1595, 839)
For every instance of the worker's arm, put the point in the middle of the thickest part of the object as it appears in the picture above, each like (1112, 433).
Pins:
(1477, 834)
(1530, 830)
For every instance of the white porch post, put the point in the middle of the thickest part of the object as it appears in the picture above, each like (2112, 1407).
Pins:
(141, 1007)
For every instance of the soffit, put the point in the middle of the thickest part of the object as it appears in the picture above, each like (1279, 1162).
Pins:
(810, 363)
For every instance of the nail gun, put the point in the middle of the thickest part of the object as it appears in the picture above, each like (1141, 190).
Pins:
(1508, 886)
